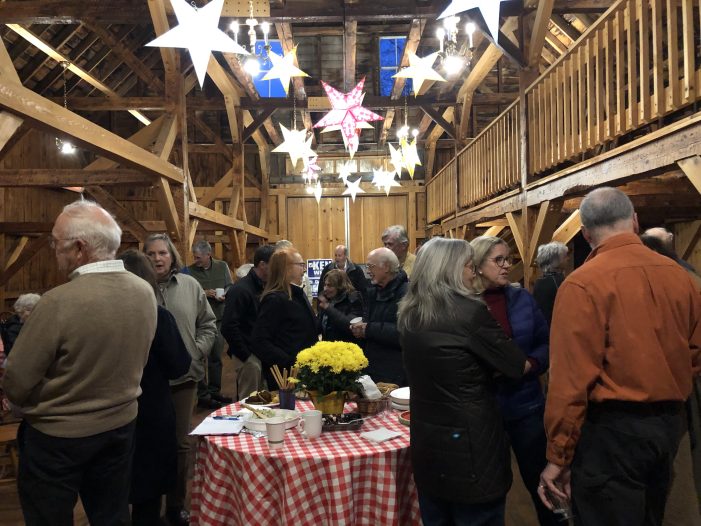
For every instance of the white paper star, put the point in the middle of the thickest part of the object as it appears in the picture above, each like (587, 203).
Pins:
(284, 68)
(378, 175)
(489, 9)
(347, 111)
(346, 171)
(420, 70)
(411, 155)
(385, 180)
(296, 144)
(354, 188)
(198, 32)
(397, 159)
(318, 192)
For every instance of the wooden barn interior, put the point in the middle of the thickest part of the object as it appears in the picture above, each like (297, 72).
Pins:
(570, 95)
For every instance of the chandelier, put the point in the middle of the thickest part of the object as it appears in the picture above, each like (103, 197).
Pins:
(65, 147)
(451, 57)
(251, 64)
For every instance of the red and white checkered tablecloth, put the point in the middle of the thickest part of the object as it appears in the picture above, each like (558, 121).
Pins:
(337, 479)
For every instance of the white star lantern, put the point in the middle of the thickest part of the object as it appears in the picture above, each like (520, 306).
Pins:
(488, 8)
(284, 68)
(296, 144)
(419, 71)
(354, 188)
(346, 171)
(198, 32)
(397, 159)
(348, 112)
(385, 180)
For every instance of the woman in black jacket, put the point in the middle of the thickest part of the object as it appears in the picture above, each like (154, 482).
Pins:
(338, 305)
(286, 323)
(155, 461)
(452, 350)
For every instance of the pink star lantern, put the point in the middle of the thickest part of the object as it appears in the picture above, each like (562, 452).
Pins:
(348, 113)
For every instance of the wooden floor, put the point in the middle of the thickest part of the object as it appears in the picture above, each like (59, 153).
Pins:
(519, 510)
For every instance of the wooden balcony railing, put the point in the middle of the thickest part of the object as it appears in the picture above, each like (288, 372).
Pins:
(637, 63)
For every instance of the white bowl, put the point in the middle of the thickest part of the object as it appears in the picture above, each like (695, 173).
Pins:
(400, 407)
(258, 424)
(400, 396)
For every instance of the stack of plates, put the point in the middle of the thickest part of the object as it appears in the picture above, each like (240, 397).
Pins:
(400, 399)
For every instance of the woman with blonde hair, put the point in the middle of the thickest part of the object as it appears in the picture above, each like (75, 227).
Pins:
(522, 403)
(286, 323)
(452, 349)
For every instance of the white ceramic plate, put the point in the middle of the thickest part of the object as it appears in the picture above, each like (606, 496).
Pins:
(258, 424)
(400, 396)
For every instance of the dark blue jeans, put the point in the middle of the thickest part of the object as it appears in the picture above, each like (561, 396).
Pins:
(439, 512)
(528, 443)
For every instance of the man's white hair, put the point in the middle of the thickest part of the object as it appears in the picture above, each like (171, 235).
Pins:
(388, 258)
(91, 223)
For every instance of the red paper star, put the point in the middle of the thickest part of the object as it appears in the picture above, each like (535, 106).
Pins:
(347, 112)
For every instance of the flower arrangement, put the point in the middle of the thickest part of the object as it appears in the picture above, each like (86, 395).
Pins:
(327, 366)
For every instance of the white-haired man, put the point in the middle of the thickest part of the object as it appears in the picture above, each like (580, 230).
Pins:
(624, 347)
(74, 372)
(396, 239)
(667, 239)
(342, 262)
(389, 284)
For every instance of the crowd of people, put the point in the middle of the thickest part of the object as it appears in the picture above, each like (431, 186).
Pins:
(107, 405)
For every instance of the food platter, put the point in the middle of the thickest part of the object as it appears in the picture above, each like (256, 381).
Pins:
(252, 400)
(258, 424)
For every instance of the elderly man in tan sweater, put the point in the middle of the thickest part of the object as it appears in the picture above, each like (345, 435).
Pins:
(74, 372)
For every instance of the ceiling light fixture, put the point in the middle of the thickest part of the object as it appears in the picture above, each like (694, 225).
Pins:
(451, 56)
(252, 64)
(65, 147)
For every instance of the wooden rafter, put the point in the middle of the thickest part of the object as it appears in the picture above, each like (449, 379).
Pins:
(74, 68)
(540, 28)
(59, 40)
(350, 49)
(59, 178)
(9, 123)
(28, 253)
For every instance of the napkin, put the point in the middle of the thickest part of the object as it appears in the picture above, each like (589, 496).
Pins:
(380, 435)
(369, 388)
(212, 426)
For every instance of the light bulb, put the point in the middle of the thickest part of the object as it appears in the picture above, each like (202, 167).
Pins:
(453, 64)
(234, 26)
(251, 66)
(451, 23)
(470, 30)
(415, 132)
(67, 148)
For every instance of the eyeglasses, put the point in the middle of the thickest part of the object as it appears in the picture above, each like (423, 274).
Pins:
(53, 240)
(370, 266)
(502, 261)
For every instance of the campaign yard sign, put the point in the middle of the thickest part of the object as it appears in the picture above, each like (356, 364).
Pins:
(314, 269)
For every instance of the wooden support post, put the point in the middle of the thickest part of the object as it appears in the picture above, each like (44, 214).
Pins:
(517, 230)
(570, 228)
(545, 224)
(30, 250)
(691, 166)
(17, 251)
(687, 238)
(494, 231)
(264, 155)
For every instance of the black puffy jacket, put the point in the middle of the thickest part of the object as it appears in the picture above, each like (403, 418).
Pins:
(335, 320)
(381, 337)
(460, 451)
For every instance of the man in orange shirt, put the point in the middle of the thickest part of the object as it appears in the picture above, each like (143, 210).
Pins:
(624, 346)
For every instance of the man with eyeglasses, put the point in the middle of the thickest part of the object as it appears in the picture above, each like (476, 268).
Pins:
(389, 285)
(74, 373)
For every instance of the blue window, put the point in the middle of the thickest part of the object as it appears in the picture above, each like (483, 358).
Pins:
(268, 88)
(391, 51)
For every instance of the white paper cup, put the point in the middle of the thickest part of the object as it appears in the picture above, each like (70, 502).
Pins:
(310, 424)
(356, 320)
(219, 293)
(275, 427)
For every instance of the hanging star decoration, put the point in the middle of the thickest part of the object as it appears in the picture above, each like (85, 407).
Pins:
(311, 168)
(296, 144)
(354, 188)
(347, 111)
(318, 192)
(419, 71)
(488, 8)
(346, 171)
(410, 154)
(396, 159)
(284, 68)
(198, 32)
(385, 180)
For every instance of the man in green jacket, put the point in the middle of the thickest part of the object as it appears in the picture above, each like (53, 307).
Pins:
(215, 277)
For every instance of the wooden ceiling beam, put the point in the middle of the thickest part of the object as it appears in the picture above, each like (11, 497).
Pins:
(563, 25)
(59, 40)
(75, 69)
(440, 121)
(350, 48)
(284, 34)
(57, 71)
(59, 178)
(9, 123)
(540, 28)
(49, 116)
(128, 57)
(412, 44)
